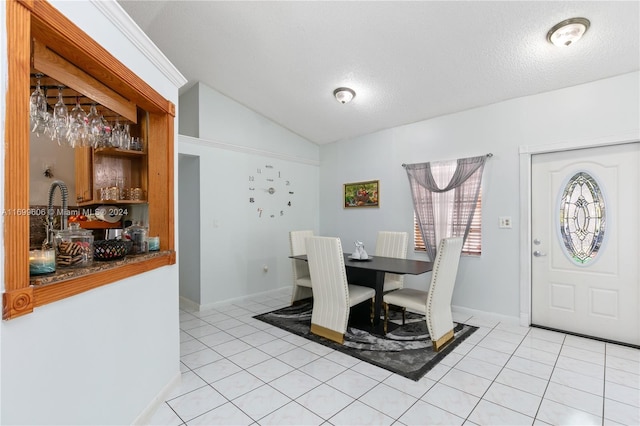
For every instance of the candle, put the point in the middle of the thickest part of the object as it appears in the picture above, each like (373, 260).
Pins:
(153, 243)
(42, 261)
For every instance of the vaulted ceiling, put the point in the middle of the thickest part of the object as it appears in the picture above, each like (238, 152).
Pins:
(406, 61)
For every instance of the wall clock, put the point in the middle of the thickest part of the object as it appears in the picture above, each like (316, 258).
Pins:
(270, 192)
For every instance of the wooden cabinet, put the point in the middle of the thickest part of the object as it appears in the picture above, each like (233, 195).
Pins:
(111, 175)
(114, 175)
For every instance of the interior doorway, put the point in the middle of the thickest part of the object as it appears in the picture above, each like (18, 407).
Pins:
(189, 227)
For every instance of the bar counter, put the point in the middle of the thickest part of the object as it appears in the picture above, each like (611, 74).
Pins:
(63, 274)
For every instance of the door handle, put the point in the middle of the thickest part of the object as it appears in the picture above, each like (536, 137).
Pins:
(538, 253)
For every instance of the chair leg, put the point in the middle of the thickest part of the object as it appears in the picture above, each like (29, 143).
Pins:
(385, 307)
(373, 309)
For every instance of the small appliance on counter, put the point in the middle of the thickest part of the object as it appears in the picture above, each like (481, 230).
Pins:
(113, 234)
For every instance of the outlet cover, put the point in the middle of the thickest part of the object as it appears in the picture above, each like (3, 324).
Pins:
(505, 222)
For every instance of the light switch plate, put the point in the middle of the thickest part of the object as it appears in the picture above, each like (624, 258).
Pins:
(505, 222)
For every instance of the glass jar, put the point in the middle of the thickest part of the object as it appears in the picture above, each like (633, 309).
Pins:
(138, 234)
(74, 246)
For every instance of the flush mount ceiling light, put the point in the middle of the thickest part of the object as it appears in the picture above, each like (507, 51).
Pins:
(567, 32)
(344, 94)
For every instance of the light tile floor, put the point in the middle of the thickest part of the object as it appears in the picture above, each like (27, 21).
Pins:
(240, 371)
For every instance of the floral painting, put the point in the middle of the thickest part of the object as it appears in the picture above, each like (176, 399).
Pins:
(362, 194)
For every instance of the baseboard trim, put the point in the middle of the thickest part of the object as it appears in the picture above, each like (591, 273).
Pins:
(188, 304)
(486, 315)
(193, 306)
(145, 417)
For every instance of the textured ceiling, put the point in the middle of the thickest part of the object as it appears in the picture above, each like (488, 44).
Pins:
(407, 61)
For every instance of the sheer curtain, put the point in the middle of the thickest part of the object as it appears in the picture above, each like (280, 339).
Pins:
(445, 194)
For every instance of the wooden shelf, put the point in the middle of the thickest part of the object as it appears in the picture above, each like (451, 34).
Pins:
(119, 152)
(99, 224)
(110, 202)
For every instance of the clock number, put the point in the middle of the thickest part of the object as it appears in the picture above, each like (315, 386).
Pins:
(281, 212)
(268, 166)
(289, 203)
(251, 200)
(279, 174)
(259, 171)
(287, 183)
(259, 212)
(251, 178)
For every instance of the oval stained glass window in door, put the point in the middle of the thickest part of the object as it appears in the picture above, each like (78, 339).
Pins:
(582, 218)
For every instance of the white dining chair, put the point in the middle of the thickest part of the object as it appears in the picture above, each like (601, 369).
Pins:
(301, 277)
(435, 303)
(332, 295)
(392, 244)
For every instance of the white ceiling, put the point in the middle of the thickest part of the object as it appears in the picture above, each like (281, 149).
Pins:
(407, 61)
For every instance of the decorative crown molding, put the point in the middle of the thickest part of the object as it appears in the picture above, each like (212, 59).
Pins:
(209, 143)
(116, 14)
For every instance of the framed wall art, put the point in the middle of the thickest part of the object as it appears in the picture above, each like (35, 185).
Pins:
(362, 194)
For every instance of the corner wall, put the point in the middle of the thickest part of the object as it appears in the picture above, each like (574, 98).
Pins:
(243, 250)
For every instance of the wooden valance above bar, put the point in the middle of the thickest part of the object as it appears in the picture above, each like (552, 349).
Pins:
(50, 63)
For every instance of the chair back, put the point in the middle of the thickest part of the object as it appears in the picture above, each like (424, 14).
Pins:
(443, 279)
(392, 244)
(298, 247)
(330, 288)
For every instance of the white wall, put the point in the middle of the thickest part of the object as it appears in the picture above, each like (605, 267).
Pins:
(104, 355)
(189, 106)
(189, 226)
(225, 120)
(489, 283)
(45, 152)
(235, 243)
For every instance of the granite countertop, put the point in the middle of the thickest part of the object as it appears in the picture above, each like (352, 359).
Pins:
(62, 274)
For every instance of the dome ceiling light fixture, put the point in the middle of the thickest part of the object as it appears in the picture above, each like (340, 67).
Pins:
(344, 95)
(567, 32)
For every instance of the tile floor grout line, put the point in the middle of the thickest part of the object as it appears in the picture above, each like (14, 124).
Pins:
(493, 381)
(245, 316)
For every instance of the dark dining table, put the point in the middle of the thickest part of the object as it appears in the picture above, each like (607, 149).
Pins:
(371, 272)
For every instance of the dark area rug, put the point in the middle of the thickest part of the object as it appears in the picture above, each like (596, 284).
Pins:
(406, 350)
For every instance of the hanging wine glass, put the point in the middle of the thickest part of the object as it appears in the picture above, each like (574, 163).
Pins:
(94, 126)
(49, 125)
(38, 108)
(105, 140)
(78, 126)
(60, 119)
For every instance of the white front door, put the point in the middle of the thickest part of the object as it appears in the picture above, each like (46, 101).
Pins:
(585, 238)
